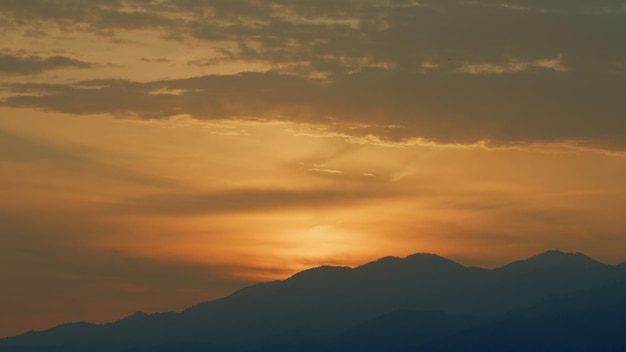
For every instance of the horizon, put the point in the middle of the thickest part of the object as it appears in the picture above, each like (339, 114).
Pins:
(155, 154)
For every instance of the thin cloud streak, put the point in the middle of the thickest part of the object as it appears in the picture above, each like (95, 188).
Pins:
(11, 64)
(247, 200)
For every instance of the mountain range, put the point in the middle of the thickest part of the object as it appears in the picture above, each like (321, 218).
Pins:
(423, 302)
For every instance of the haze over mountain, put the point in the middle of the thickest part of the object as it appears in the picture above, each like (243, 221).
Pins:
(340, 306)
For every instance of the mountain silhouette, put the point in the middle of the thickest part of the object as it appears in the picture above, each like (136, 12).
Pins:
(554, 259)
(393, 331)
(587, 321)
(317, 305)
(425, 263)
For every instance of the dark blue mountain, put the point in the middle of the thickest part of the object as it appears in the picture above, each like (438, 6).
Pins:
(587, 321)
(319, 303)
(390, 332)
(554, 259)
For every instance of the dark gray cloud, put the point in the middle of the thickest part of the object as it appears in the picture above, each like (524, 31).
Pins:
(540, 105)
(11, 64)
(329, 36)
(451, 70)
(349, 35)
(156, 59)
(96, 15)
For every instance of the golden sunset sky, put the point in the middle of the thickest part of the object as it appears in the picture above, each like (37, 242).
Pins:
(160, 153)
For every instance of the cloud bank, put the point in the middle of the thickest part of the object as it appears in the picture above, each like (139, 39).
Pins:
(445, 71)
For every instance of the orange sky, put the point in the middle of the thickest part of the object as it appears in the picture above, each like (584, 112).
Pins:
(158, 154)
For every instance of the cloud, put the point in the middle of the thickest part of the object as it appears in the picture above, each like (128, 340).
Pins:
(515, 66)
(156, 59)
(82, 269)
(348, 37)
(16, 148)
(325, 170)
(385, 104)
(99, 16)
(70, 160)
(455, 72)
(40, 253)
(351, 35)
(11, 64)
(245, 200)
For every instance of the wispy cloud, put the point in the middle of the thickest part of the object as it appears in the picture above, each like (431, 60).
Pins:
(247, 200)
(70, 159)
(17, 64)
(514, 66)
(156, 59)
(327, 171)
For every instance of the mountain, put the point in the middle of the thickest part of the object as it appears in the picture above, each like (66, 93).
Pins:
(588, 321)
(326, 301)
(554, 259)
(585, 321)
(393, 331)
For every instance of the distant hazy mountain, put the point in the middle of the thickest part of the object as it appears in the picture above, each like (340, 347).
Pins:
(393, 331)
(589, 321)
(554, 259)
(586, 321)
(317, 305)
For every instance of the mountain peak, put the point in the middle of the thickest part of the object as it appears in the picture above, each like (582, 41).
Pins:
(320, 273)
(555, 258)
(429, 258)
(417, 261)
(426, 262)
(557, 252)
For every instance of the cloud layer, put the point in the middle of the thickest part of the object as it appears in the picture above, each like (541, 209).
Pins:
(11, 64)
(447, 71)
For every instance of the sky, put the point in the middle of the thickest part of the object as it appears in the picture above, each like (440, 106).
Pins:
(156, 154)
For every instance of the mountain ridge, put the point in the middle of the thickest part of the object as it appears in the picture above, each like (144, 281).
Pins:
(591, 320)
(331, 299)
(554, 258)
